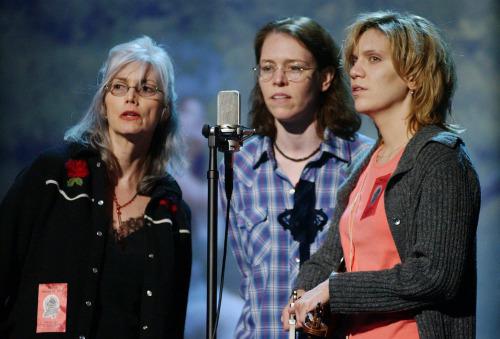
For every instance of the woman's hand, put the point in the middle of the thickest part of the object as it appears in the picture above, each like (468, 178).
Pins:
(306, 302)
(285, 314)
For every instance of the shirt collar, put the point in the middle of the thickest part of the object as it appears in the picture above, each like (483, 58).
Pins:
(331, 146)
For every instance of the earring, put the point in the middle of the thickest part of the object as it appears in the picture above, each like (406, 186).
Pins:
(412, 91)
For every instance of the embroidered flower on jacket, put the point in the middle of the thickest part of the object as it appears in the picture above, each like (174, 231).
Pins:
(77, 170)
(170, 205)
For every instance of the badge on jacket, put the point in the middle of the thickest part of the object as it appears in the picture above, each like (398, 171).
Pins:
(52, 302)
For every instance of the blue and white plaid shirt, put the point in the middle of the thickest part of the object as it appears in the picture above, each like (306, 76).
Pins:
(266, 253)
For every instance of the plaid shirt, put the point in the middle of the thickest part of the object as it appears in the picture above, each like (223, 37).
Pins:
(266, 253)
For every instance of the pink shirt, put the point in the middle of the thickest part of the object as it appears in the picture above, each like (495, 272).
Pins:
(368, 245)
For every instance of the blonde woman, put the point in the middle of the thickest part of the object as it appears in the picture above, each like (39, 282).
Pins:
(406, 219)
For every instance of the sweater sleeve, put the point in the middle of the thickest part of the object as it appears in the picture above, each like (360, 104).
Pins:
(441, 260)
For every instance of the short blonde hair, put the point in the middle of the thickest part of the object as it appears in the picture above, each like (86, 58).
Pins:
(419, 54)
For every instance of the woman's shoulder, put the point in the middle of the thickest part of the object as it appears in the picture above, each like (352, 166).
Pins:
(51, 158)
(251, 151)
(62, 152)
(253, 144)
(438, 150)
(436, 142)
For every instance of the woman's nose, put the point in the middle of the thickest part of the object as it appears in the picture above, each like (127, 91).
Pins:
(131, 95)
(356, 70)
(279, 76)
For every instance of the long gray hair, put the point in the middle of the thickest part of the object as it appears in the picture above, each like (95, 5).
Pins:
(165, 146)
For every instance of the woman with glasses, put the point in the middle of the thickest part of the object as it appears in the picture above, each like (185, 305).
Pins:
(95, 235)
(286, 177)
(406, 218)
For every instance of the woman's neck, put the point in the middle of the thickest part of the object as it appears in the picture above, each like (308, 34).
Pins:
(297, 144)
(394, 136)
(131, 159)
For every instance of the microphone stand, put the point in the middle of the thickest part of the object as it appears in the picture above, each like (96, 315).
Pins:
(225, 139)
(213, 178)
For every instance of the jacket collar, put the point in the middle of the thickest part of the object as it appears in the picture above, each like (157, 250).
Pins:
(78, 150)
(425, 135)
(163, 185)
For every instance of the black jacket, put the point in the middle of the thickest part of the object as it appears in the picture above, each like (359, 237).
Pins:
(54, 231)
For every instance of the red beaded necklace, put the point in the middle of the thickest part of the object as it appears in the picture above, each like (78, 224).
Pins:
(119, 207)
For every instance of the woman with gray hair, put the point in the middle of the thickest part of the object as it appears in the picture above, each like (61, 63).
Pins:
(95, 235)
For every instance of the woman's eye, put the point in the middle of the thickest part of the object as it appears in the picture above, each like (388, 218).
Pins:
(296, 68)
(148, 89)
(373, 58)
(266, 68)
(118, 86)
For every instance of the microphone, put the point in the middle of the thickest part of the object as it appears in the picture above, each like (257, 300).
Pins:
(228, 109)
(229, 134)
(228, 120)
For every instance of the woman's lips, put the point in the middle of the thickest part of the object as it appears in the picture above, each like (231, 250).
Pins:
(356, 89)
(278, 96)
(130, 115)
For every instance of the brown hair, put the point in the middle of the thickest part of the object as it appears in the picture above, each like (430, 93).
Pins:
(419, 54)
(336, 110)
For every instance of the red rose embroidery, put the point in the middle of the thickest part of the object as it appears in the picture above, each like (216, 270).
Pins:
(77, 170)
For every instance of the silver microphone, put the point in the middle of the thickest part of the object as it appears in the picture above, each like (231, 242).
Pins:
(228, 109)
(229, 134)
(228, 119)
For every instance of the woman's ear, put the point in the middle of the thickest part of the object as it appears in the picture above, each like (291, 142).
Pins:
(411, 83)
(327, 76)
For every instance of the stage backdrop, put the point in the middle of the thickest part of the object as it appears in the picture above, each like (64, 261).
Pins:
(51, 51)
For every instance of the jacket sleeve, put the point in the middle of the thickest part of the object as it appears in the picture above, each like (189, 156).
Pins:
(18, 212)
(328, 258)
(440, 263)
(183, 263)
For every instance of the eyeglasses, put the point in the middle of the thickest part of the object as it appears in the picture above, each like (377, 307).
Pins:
(293, 72)
(120, 88)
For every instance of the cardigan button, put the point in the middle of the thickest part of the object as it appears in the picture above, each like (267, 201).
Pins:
(98, 164)
(88, 303)
(151, 255)
(99, 233)
(81, 337)
(396, 221)
(100, 203)
(145, 327)
(149, 293)
(94, 270)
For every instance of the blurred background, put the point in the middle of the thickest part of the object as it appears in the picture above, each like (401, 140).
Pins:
(51, 50)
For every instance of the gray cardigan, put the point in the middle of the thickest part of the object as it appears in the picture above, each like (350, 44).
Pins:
(432, 204)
